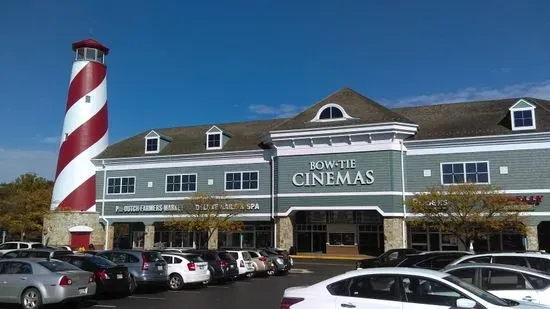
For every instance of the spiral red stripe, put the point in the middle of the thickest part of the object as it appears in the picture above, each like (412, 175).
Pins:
(82, 138)
(82, 198)
(91, 75)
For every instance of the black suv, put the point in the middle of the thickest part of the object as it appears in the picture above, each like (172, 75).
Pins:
(389, 258)
(435, 260)
(221, 265)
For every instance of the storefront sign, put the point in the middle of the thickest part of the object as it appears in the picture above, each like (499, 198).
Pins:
(531, 199)
(333, 173)
(175, 208)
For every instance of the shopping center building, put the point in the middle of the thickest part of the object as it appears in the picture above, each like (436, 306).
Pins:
(332, 179)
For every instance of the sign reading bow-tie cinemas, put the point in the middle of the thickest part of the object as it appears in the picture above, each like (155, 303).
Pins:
(333, 173)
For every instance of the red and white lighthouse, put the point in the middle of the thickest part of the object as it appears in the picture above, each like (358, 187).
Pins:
(85, 133)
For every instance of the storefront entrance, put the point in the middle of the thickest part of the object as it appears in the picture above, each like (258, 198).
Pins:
(253, 235)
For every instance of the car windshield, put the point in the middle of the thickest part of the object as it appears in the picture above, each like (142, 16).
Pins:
(56, 266)
(101, 262)
(153, 256)
(486, 296)
(193, 258)
(226, 256)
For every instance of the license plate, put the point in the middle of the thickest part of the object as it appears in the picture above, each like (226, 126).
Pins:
(82, 291)
(119, 276)
(159, 267)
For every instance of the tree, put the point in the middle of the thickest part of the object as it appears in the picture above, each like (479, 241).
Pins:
(208, 213)
(24, 203)
(468, 211)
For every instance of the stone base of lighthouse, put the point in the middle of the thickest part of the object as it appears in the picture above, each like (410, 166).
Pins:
(73, 228)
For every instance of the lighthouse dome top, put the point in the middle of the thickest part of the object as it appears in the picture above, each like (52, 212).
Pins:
(91, 43)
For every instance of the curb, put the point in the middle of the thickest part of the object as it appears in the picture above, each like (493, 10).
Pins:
(327, 257)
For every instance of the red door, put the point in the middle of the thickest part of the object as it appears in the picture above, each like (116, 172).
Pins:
(80, 239)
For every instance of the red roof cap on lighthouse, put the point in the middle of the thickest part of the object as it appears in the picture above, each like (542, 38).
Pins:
(92, 44)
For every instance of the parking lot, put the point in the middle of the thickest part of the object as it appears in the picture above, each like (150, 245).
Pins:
(249, 293)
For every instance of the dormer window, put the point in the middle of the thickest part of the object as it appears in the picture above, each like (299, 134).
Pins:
(152, 145)
(214, 141)
(523, 116)
(331, 112)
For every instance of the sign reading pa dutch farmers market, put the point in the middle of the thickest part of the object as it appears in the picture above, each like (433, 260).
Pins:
(333, 173)
(175, 208)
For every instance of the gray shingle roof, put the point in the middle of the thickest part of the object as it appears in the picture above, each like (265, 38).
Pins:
(434, 121)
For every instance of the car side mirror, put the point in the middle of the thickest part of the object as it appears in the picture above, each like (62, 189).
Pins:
(465, 303)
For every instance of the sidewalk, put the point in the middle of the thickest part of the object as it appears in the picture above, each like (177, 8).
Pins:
(321, 256)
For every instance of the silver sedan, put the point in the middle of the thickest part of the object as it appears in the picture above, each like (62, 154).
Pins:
(34, 282)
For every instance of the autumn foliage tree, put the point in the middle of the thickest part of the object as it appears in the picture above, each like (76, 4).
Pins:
(208, 213)
(468, 211)
(24, 203)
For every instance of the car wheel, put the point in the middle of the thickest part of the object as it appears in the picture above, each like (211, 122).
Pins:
(132, 285)
(31, 299)
(271, 271)
(175, 282)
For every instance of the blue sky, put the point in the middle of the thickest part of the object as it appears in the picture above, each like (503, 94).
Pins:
(177, 63)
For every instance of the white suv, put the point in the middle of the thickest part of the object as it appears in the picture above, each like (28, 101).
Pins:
(14, 245)
(244, 262)
(535, 260)
(186, 268)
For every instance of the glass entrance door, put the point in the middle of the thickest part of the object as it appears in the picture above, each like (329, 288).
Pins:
(319, 242)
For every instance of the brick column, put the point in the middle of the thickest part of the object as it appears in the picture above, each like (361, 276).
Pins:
(285, 233)
(149, 240)
(393, 233)
(213, 241)
(532, 238)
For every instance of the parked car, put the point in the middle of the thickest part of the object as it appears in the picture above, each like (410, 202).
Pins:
(44, 253)
(186, 268)
(145, 267)
(434, 260)
(536, 260)
(35, 282)
(387, 259)
(263, 265)
(221, 265)
(282, 263)
(14, 245)
(506, 281)
(394, 288)
(110, 278)
(244, 262)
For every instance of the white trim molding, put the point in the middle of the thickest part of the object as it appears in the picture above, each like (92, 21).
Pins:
(344, 117)
(530, 107)
(181, 183)
(81, 229)
(242, 173)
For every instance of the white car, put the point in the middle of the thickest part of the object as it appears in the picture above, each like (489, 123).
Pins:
(536, 260)
(506, 281)
(186, 268)
(394, 288)
(14, 245)
(244, 262)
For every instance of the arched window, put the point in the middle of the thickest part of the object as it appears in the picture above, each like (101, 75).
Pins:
(331, 112)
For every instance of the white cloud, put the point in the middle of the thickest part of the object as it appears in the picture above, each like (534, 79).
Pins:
(51, 140)
(539, 90)
(14, 162)
(280, 111)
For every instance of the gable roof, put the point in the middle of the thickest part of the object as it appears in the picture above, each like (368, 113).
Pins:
(468, 119)
(362, 109)
(190, 140)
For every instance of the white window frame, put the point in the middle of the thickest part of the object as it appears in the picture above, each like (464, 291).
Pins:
(345, 115)
(181, 191)
(516, 128)
(464, 165)
(158, 144)
(120, 177)
(240, 172)
(213, 148)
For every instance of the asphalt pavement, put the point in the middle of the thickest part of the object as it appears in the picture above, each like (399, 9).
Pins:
(248, 293)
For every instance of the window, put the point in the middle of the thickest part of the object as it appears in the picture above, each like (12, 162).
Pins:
(121, 185)
(178, 260)
(80, 54)
(168, 259)
(337, 239)
(241, 181)
(99, 56)
(438, 262)
(510, 260)
(466, 275)
(151, 145)
(12, 268)
(88, 99)
(523, 118)
(430, 292)
(23, 246)
(539, 263)
(214, 141)
(8, 246)
(90, 54)
(480, 259)
(181, 183)
(538, 283)
(331, 112)
(472, 172)
(501, 280)
(383, 287)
